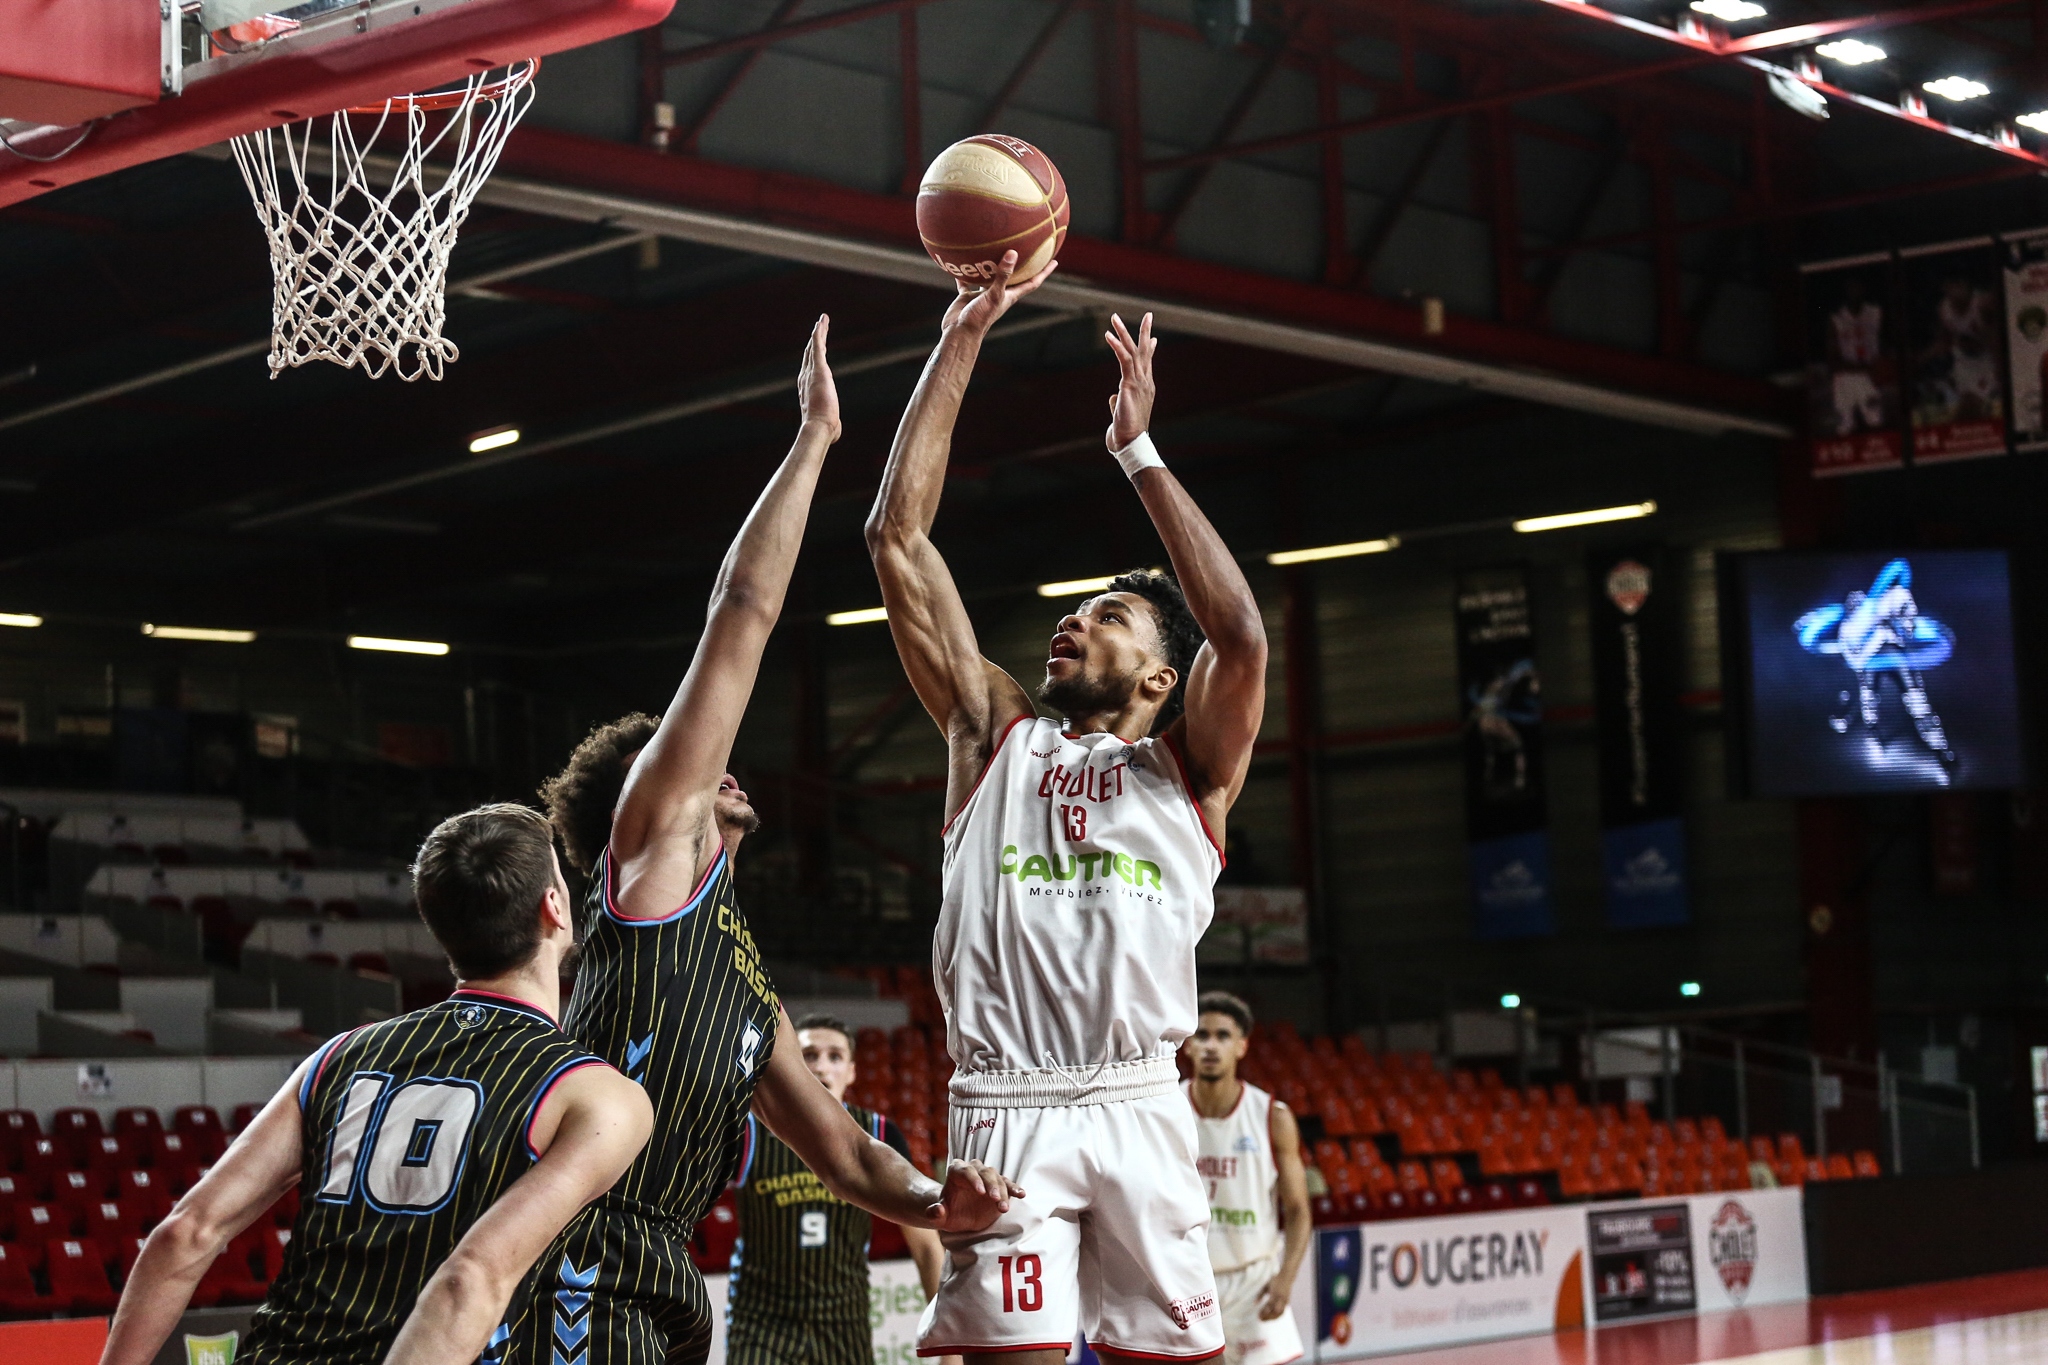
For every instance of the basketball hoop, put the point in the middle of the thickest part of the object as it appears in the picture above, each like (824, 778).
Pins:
(359, 273)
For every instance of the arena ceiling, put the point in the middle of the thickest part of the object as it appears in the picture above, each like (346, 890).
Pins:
(1607, 213)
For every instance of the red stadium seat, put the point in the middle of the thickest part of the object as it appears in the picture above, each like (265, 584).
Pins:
(36, 1224)
(145, 1193)
(75, 1129)
(18, 1128)
(111, 1223)
(885, 1241)
(140, 1125)
(41, 1164)
(1866, 1165)
(78, 1275)
(196, 1118)
(1839, 1167)
(77, 1191)
(19, 1297)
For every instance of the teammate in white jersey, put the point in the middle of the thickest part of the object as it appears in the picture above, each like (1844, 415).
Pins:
(1080, 857)
(1250, 1154)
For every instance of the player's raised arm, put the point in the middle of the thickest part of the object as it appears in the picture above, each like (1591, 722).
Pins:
(860, 1169)
(1226, 687)
(587, 1131)
(662, 834)
(970, 698)
(262, 1164)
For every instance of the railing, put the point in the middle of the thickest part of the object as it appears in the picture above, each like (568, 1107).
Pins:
(1753, 1085)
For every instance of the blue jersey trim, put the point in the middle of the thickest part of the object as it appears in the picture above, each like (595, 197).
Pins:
(611, 905)
(321, 1056)
(747, 1148)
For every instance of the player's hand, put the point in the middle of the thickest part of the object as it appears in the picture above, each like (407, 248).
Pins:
(978, 306)
(1273, 1299)
(1130, 407)
(974, 1196)
(816, 395)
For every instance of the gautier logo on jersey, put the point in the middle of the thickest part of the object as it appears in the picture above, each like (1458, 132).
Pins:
(1456, 1260)
(746, 957)
(1067, 867)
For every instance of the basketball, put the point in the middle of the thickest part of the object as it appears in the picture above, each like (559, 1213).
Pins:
(986, 195)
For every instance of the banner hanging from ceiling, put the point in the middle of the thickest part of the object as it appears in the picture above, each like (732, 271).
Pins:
(1635, 615)
(2026, 337)
(1854, 414)
(1955, 349)
(1500, 698)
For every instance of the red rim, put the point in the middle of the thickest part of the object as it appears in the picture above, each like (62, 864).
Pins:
(452, 99)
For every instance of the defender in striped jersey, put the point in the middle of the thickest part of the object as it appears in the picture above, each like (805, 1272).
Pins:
(799, 1288)
(439, 1152)
(671, 989)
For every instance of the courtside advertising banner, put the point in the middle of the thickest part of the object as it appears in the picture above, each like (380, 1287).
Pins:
(1501, 705)
(2026, 337)
(1855, 419)
(1636, 618)
(1748, 1248)
(895, 1299)
(1417, 1283)
(1955, 349)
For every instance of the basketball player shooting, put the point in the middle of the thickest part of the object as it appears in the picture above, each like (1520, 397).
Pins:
(671, 988)
(1080, 860)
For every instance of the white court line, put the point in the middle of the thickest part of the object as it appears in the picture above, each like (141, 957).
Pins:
(2014, 1339)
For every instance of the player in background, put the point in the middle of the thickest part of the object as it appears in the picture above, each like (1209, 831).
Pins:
(1250, 1155)
(1080, 861)
(671, 989)
(799, 1288)
(438, 1153)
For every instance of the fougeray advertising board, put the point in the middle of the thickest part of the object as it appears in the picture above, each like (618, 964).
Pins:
(1424, 1282)
(1421, 1282)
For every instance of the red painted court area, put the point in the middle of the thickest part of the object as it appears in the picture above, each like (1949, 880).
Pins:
(1994, 1320)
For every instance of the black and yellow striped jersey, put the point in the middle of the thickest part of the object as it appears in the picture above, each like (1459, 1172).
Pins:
(413, 1127)
(682, 1005)
(802, 1253)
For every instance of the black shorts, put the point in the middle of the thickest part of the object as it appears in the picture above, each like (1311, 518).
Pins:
(788, 1341)
(615, 1289)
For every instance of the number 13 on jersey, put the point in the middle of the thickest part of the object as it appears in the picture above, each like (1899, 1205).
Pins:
(408, 1143)
(1027, 1292)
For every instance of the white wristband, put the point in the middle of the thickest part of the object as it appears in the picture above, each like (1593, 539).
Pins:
(1139, 454)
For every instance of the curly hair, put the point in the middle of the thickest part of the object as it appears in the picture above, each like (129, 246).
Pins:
(1180, 637)
(581, 798)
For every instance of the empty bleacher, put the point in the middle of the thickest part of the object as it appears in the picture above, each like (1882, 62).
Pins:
(81, 1186)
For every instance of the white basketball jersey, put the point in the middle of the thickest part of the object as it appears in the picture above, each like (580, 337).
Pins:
(1235, 1157)
(1078, 876)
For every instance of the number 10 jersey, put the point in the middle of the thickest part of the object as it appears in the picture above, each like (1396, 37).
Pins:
(413, 1128)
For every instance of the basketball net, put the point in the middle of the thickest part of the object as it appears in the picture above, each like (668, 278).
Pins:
(359, 273)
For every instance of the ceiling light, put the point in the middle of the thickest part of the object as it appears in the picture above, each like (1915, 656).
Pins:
(19, 618)
(1073, 585)
(219, 637)
(2038, 121)
(1356, 547)
(1729, 11)
(1688, 988)
(396, 646)
(1850, 52)
(865, 616)
(1956, 88)
(1511, 1002)
(495, 439)
(1598, 514)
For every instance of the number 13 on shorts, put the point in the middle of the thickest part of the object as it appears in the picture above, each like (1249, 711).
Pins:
(1022, 1289)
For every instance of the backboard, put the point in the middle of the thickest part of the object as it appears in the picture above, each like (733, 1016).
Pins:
(89, 88)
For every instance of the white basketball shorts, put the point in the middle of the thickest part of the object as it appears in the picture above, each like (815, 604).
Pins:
(1111, 1238)
(1249, 1339)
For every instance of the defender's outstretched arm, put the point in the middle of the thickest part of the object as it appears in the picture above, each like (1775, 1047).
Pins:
(663, 837)
(1226, 689)
(860, 1169)
(262, 1164)
(971, 699)
(587, 1131)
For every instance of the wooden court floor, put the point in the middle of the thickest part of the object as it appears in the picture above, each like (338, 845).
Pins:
(1994, 1320)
